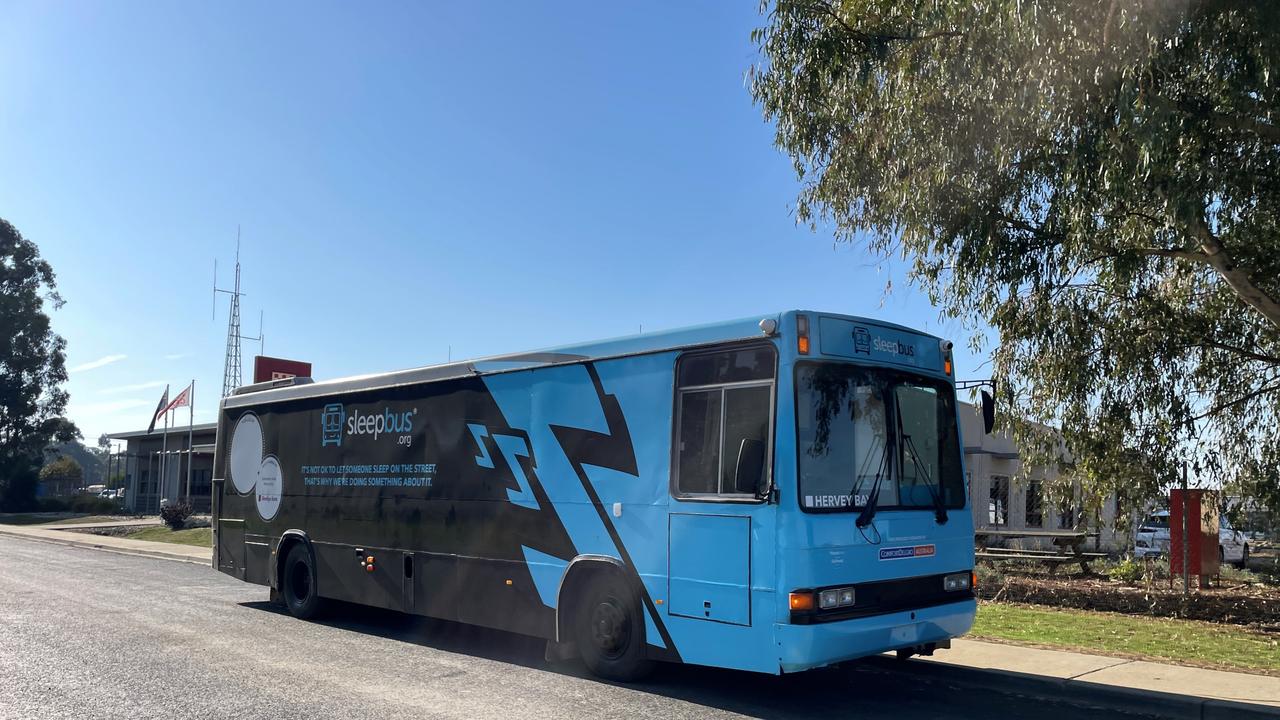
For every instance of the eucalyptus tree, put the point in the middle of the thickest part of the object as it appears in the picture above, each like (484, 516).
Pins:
(32, 369)
(1092, 185)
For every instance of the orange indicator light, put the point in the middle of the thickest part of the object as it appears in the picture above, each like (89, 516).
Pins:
(801, 601)
(802, 344)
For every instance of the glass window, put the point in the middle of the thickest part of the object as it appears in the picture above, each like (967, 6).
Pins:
(746, 428)
(998, 501)
(1035, 505)
(724, 419)
(734, 366)
(1156, 522)
(1067, 517)
(857, 424)
(699, 441)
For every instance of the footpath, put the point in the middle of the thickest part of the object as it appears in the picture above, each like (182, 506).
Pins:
(1104, 683)
(1116, 684)
(66, 535)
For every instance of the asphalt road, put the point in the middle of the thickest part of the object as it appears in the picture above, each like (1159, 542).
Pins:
(91, 634)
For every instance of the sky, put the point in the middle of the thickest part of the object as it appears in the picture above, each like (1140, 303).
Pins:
(410, 182)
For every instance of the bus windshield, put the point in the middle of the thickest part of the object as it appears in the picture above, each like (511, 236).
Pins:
(856, 423)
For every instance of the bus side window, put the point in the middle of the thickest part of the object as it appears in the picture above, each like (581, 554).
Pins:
(724, 413)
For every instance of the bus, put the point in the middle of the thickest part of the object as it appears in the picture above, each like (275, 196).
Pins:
(770, 494)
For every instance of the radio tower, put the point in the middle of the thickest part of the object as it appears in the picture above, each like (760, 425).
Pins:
(231, 364)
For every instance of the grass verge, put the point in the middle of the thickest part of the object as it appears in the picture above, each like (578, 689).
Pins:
(47, 519)
(201, 537)
(1184, 642)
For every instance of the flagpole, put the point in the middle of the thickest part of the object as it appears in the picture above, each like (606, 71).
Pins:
(191, 426)
(164, 461)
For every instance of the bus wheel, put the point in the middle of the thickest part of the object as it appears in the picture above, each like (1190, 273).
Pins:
(299, 583)
(610, 630)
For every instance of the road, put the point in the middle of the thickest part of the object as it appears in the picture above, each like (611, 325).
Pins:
(91, 634)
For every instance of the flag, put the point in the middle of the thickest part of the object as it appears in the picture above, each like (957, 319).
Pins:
(160, 408)
(183, 400)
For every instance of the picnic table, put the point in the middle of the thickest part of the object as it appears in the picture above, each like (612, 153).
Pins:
(1068, 544)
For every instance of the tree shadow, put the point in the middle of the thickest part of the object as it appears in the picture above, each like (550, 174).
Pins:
(873, 688)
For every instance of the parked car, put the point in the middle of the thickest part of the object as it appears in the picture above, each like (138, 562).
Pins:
(1152, 539)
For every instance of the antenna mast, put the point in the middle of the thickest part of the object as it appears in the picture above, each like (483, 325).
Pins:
(231, 365)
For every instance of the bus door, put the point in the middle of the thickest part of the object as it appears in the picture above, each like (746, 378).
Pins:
(720, 528)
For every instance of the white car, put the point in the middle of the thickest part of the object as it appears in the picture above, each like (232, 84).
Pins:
(1153, 539)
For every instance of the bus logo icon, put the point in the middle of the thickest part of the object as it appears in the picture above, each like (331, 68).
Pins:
(861, 341)
(331, 424)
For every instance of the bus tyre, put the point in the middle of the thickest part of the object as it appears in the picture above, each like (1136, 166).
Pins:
(1244, 558)
(610, 630)
(298, 585)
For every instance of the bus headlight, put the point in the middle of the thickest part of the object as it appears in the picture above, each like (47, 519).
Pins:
(835, 597)
(956, 581)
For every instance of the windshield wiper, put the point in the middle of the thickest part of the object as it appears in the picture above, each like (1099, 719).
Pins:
(939, 507)
(869, 509)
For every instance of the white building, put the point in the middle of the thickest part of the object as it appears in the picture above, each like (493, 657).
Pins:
(999, 500)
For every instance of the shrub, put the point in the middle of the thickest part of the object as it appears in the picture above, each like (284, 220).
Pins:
(52, 504)
(990, 578)
(175, 514)
(93, 505)
(1127, 571)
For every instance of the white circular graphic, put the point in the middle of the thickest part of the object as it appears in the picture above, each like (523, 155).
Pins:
(270, 486)
(246, 453)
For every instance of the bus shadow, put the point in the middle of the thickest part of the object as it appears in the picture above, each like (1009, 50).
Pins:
(865, 686)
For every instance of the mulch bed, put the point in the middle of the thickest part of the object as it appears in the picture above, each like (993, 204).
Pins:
(1237, 604)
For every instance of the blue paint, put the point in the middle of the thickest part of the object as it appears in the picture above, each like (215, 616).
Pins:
(546, 571)
(741, 558)
(479, 433)
(512, 449)
(710, 569)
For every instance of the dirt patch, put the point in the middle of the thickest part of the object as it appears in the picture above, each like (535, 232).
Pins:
(1256, 606)
(117, 531)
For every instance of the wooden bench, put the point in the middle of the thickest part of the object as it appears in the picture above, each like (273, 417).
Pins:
(1068, 544)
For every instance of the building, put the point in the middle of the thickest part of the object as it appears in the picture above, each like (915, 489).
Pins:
(155, 466)
(999, 500)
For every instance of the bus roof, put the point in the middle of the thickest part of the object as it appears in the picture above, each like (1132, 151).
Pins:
(748, 328)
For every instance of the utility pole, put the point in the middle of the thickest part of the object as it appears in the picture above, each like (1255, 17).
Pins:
(1182, 517)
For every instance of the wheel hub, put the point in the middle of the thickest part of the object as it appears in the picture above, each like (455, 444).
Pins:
(300, 582)
(609, 628)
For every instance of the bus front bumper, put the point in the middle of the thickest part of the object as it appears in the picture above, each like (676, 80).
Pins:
(802, 647)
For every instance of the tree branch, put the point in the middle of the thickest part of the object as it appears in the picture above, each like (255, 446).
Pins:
(1270, 360)
(1242, 399)
(1238, 279)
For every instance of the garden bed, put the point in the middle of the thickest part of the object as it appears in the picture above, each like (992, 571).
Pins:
(1237, 603)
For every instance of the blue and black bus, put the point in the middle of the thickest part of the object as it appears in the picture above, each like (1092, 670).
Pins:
(770, 494)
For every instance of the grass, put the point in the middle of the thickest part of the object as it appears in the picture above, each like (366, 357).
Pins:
(23, 519)
(1184, 642)
(32, 519)
(201, 537)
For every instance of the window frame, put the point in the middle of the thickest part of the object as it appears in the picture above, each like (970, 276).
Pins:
(677, 420)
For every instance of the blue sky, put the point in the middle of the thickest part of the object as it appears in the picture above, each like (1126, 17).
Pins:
(408, 177)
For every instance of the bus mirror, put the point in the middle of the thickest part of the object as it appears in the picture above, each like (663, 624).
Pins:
(748, 475)
(988, 412)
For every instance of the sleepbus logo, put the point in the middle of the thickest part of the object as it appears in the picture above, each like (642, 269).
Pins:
(331, 424)
(334, 420)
